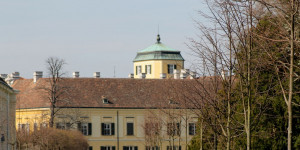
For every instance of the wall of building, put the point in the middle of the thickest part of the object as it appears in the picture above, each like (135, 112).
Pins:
(7, 117)
(157, 67)
(120, 118)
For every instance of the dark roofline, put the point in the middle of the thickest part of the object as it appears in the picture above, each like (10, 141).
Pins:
(112, 108)
(5, 84)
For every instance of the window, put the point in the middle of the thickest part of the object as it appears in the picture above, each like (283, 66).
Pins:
(61, 126)
(173, 129)
(152, 128)
(85, 128)
(138, 70)
(148, 69)
(130, 148)
(173, 147)
(152, 148)
(43, 125)
(129, 128)
(192, 128)
(90, 147)
(35, 126)
(27, 127)
(108, 128)
(107, 148)
(105, 101)
(171, 68)
(21, 127)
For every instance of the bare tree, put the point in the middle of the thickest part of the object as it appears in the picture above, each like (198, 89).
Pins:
(228, 47)
(56, 90)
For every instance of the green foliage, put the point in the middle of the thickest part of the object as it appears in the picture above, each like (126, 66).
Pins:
(269, 110)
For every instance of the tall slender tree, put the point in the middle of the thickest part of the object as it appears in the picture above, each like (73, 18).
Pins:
(56, 90)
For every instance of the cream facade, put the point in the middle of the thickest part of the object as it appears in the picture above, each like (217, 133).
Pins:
(119, 129)
(7, 116)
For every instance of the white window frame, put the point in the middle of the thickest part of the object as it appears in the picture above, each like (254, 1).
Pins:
(129, 147)
(148, 69)
(152, 147)
(173, 147)
(139, 69)
(35, 126)
(43, 125)
(107, 128)
(171, 68)
(27, 127)
(61, 126)
(107, 147)
(193, 128)
(85, 128)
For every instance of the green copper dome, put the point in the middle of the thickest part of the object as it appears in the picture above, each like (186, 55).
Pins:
(158, 51)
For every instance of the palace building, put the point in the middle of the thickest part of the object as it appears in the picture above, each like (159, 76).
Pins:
(118, 114)
(113, 114)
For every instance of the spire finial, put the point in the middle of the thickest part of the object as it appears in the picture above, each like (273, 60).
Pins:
(158, 38)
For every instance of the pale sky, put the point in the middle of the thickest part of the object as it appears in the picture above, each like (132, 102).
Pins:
(91, 35)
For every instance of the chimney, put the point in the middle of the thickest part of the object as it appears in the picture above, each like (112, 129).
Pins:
(76, 74)
(163, 75)
(96, 74)
(142, 75)
(37, 75)
(15, 75)
(12, 77)
(176, 74)
(224, 74)
(3, 76)
(183, 73)
(131, 76)
(192, 75)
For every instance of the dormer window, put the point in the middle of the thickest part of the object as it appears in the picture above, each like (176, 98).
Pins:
(105, 101)
(172, 101)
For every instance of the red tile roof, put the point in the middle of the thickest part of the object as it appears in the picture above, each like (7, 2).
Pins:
(121, 93)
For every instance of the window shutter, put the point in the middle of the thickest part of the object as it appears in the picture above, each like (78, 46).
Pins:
(68, 125)
(113, 148)
(146, 66)
(190, 128)
(136, 69)
(178, 128)
(90, 129)
(112, 128)
(135, 148)
(102, 128)
(79, 126)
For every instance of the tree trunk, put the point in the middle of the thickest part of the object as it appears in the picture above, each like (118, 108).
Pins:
(201, 134)
(249, 80)
(290, 111)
